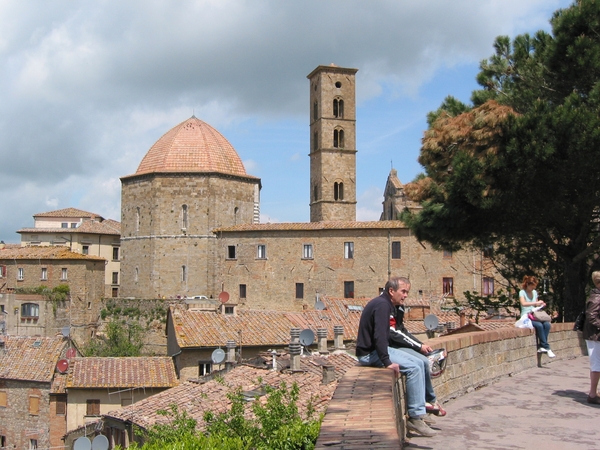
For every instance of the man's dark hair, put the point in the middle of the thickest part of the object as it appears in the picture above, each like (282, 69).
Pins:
(394, 283)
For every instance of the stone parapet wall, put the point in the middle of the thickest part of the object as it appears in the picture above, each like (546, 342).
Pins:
(478, 359)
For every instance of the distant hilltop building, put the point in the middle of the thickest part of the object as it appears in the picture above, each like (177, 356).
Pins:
(190, 222)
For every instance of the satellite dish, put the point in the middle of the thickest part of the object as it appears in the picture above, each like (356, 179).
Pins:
(224, 296)
(217, 356)
(307, 337)
(62, 366)
(319, 306)
(82, 443)
(66, 331)
(431, 322)
(100, 442)
(71, 353)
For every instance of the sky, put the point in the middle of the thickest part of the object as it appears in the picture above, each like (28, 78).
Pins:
(87, 87)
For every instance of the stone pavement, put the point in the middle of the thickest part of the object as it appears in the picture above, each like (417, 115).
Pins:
(543, 408)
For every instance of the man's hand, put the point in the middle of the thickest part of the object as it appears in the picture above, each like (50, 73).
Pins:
(426, 349)
(395, 367)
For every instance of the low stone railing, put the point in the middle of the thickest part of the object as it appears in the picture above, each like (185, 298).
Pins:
(368, 401)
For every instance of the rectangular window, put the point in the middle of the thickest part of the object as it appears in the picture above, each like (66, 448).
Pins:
(64, 225)
(33, 444)
(20, 274)
(229, 310)
(231, 252)
(115, 278)
(2, 399)
(396, 250)
(448, 286)
(348, 289)
(63, 273)
(93, 408)
(307, 251)
(30, 310)
(34, 405)
(349, 250)
(447, 254)
(115, 253)
(488, 286)
(115, 294)
(73, 224)
(44, 273)
(2, 271)
(299, 290)
(261, 252)
(242, 291)
(61, 405)
(204, 368)
(488, 251)
(85, 249)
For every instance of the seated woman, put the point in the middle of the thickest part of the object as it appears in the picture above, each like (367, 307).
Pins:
(528, 298)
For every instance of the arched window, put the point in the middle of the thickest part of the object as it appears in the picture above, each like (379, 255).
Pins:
(338, 138)
(184, 217)
(338, 108)
(338, 191)
(183, 274)
(136, 275)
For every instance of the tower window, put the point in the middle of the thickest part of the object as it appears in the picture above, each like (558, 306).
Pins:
(315, 141)
(183, 273)
(338, 108)
(315, 110)
(338, 138)
(307, 251)
(261, 251)
(338, 84)
(338, 191)
(231, 252)
(137, 219)
(316, 192)
(348, 250)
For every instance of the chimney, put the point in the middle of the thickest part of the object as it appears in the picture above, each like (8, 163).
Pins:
(295, 334)
(328, 374)
(463, 318)
(230, 351)
(295, 348)
(338, 341)
(322, 336)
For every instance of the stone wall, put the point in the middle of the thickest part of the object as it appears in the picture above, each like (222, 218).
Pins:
(478, 359)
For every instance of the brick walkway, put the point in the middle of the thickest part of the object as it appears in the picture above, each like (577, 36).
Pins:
(361, 414)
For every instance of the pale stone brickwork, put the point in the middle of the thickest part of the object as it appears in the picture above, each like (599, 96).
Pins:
(166, 254)
(333, 144)
(270, 282)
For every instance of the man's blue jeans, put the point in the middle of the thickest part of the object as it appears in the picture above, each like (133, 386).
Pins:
(429, 392)
(415, 377)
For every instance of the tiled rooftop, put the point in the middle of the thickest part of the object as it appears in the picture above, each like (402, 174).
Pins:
(308, 226)
(143, 371)
(108, 226)
(30, 358)
(71, 213)
(46, 252)
(192, 146)
(195, 398)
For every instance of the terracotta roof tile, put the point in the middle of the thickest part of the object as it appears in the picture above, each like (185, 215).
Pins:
(45, 252)
(144, 371)
(192, 146)
(71, 213)
(309, 226)
(196, 398)
(108, 226)
(30, 358)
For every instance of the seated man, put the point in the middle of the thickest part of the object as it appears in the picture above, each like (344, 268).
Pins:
(372, 350)
(401, 339)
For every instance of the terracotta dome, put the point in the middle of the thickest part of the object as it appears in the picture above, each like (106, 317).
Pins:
(192, 146)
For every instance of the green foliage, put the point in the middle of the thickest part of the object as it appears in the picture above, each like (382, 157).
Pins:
(122, 339)
(519, 168)
(485, 303)
(277, 426)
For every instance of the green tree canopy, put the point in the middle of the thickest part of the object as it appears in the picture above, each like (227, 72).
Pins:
(519, 168)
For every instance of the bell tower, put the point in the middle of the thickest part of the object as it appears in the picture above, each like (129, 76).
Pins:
(332, 144)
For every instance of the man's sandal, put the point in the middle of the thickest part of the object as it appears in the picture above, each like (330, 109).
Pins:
(435, 409)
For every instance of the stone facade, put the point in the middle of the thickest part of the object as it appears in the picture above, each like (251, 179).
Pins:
(332, 144)
(166, 254)
(271, 282)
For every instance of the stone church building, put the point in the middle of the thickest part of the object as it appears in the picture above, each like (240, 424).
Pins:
(190, 222)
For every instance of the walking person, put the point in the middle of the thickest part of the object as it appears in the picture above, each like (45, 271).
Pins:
(591, 334)
(528, 298)
(372, 349)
